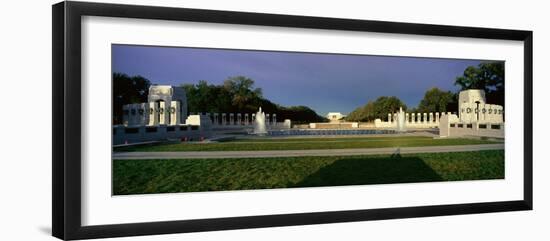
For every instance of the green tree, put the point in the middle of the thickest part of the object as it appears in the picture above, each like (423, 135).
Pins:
(387, 104)
(127, 90)
(242, 90)
(436, 100)
(363, 113)
(380, 108)
(488, 76)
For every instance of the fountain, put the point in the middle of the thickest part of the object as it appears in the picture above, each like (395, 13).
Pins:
(259, 123)
(401, 120)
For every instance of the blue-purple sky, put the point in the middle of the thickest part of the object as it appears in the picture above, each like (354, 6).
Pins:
(323, 82)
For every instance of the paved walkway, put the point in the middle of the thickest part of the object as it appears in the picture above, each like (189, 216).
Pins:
(297, 153)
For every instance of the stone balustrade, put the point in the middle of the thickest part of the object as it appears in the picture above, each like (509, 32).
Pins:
(239, 119)
(413, 120)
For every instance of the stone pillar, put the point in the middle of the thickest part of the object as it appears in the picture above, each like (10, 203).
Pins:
(287, 124)
(500, 114)
(215, 119)
(231, 118)
(431, 117)
(138, 118)
(253, 119)
(389, 118)
(267, 119)
(134, 116)
(246, 120)
(142, 112)
(239, 120)
(275, 119)
(130, 116)
(224, 119)
(491, 115)
(407, 118)
(483, 114)
(125, 114)
(425, 118)
(153, 116)
(163, 113)
(436, 117)
(444, 130)
(210, 117)
(174, 113)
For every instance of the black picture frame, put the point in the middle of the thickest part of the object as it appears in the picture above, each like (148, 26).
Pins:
(66, 127)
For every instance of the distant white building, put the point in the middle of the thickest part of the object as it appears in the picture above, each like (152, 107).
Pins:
(335, 116)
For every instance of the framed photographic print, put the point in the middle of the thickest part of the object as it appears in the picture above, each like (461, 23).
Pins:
(170, 120)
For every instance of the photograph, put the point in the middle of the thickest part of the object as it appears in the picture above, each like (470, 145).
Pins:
(275, 120)
(189, 119)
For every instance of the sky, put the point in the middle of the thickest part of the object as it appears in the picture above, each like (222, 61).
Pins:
(323, 82)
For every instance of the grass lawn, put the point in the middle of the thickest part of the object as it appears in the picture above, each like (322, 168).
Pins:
(197, 175)
(305, 144)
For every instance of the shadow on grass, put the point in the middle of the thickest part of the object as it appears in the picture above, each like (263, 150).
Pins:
(360, 171)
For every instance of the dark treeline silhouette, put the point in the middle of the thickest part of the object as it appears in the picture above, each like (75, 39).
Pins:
(126, 90)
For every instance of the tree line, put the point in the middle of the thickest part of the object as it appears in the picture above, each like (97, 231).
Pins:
(238, 95)
(486, 76)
